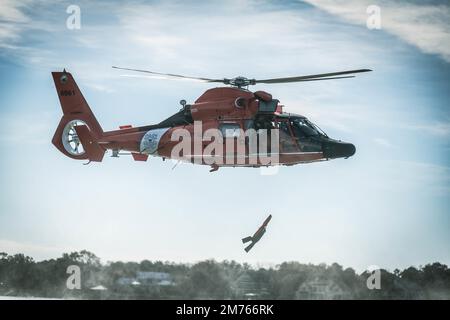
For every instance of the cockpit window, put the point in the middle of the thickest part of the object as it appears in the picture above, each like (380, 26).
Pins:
(316, 127)
(303, 128)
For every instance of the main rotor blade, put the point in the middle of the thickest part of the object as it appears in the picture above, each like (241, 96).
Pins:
(154, 76)
(322, 76)
(331, 78)
(171, 75)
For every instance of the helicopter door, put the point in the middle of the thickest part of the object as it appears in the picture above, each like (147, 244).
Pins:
(233, 143)
(288, 143)
(263, 126)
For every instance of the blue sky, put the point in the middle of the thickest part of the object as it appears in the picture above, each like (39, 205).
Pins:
(387, 206)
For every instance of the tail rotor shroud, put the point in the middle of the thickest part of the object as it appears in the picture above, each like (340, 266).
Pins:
(70, 138)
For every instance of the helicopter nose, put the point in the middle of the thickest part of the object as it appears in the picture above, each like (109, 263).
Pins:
(337, 149)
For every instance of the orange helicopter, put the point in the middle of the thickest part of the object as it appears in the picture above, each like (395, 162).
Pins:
(226, 126)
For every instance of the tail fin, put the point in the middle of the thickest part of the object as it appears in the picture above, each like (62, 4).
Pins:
(76, 112)
(246, 239)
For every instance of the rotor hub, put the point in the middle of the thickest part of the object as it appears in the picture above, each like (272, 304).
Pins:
(239, 81)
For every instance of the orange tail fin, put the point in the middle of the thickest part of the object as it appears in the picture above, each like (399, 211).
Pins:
(76, 112)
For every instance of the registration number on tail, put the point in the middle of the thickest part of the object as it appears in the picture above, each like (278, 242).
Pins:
(67, 93)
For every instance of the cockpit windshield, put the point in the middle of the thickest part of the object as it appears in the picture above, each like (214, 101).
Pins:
(317, 128)
(302, 128)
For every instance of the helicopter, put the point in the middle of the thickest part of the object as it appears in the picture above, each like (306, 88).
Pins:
(227, 126)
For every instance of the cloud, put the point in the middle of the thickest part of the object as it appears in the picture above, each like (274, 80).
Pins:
(17, 23)
(18, 128)
(12, 21)
(182, 36)
(11, 10)
(436, 128)
(420, 24)
(382, 142)
(203, 40)
(422, 176)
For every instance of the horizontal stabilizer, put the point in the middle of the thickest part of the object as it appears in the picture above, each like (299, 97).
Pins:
(139, 156)
(93, 150)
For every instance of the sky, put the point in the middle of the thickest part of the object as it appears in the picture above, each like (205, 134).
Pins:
(387, 206)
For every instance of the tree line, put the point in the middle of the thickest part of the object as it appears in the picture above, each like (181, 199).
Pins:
(20, 275)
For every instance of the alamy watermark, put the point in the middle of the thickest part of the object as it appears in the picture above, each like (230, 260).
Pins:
(73, 21)
(374, 280)
(373, 21)
(227, 146)
(74, 280)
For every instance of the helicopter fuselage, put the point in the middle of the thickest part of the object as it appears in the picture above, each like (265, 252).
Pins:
(239, 116)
